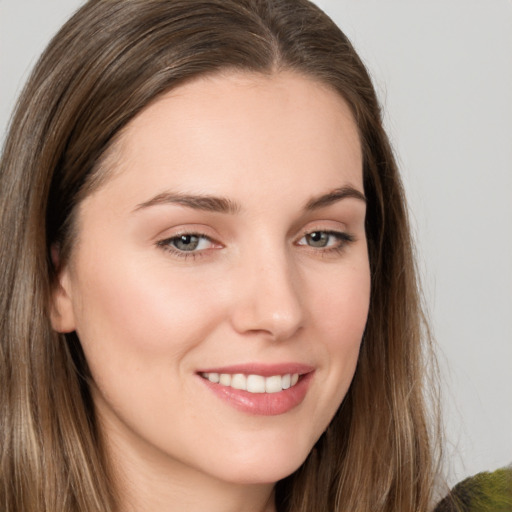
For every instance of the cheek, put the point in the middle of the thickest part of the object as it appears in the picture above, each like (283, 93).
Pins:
(342, 308)
(341, 315)
(139, 330)
(131, 314)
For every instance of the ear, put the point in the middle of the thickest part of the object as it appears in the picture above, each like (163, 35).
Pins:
(62, 314)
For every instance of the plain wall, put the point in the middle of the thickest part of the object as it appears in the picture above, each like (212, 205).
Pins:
(443, 70)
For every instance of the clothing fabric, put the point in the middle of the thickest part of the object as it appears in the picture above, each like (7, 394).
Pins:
(484, 492)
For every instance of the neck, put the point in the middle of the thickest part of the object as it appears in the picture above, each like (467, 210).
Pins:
(147, 480)
(165, 492)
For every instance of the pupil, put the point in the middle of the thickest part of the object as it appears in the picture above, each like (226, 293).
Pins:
(318, 239)
(187, 242)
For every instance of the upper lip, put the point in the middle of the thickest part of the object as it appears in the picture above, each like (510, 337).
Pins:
(265, 370)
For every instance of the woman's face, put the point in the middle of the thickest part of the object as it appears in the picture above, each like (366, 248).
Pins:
(227, 244)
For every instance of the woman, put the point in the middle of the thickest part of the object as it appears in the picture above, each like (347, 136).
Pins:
(213, 301)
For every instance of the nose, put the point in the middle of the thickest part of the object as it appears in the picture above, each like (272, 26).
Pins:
(268, 300)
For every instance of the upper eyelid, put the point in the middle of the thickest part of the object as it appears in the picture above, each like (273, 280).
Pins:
(196, 232)
(187, 233)
(165, 245)
(205, 231)
(344, 239)
(329, 230)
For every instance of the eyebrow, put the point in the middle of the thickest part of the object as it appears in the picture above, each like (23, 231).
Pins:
(227, 206)
(196, 202)
(334, 196)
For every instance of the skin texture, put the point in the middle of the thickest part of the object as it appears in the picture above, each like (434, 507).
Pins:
(256, 290)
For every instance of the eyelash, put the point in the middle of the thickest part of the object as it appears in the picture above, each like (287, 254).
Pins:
(167, 246)
(343, 239)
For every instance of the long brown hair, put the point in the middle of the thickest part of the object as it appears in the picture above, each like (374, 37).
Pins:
(109, 61)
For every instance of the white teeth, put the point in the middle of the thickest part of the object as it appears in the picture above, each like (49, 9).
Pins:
(239, 381)
(254, 383)
(213, 377)
(225, 379)
(274, 384)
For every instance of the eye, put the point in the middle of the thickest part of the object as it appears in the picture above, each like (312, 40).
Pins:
(187, 243)
(326, 239)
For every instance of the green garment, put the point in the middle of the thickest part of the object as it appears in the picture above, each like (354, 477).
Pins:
(485, 492)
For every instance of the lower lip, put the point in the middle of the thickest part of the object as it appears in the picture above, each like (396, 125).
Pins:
(263, 404)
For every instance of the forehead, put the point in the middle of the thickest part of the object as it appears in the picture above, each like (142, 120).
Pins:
(234, 127)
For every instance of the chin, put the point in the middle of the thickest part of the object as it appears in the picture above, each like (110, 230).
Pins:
(263, 468)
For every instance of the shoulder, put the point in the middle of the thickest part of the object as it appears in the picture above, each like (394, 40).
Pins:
(484, 492)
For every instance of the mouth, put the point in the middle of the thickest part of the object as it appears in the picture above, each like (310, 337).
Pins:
(254, 383)
(260, 390)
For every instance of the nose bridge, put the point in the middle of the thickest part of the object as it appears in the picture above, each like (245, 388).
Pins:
(269, 299)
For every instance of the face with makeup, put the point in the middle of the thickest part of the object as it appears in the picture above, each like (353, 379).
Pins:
(219, 283)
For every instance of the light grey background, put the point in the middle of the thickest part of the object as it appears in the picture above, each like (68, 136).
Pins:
(443, 70)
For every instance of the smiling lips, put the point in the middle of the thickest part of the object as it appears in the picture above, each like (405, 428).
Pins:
(258, 390)
(254, 383)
